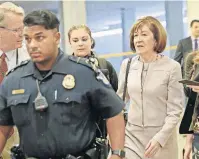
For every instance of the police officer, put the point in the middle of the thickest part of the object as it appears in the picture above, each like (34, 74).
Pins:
(54, 101)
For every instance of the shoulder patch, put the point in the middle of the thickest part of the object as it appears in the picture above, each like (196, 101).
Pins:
(79, 60)
(19, 65)
(72, 58)
(90, 63)
(101, 77)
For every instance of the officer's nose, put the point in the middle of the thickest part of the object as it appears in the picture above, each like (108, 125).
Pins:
(32, 44)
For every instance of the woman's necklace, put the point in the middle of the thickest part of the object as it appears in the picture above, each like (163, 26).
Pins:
(145, 68)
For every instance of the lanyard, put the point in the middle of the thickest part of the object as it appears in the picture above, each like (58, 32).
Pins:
(17, 57)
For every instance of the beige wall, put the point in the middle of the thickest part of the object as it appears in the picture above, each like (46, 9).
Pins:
(192, 10)
(74, 13)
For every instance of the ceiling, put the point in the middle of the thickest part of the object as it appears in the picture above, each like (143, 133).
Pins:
(102, 15)
(34, 5)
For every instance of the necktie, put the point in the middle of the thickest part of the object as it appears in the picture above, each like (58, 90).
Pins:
(196, 44)
(3, 67)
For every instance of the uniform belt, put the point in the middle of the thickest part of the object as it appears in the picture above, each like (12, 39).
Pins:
(57, 157)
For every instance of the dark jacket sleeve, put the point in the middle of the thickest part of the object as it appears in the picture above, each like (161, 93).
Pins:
(188, 114)
(179, 54)
(187, 117)
(188, 72)
(6, 117)
(113, 76)
(189, 66)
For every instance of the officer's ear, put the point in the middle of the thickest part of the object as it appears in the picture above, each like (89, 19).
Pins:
(57, 38)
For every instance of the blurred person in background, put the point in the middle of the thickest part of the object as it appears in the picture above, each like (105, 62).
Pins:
(187, 45)
(191, 65)
(11, 33)
(154, 92)
(12, 51)
(191, 114)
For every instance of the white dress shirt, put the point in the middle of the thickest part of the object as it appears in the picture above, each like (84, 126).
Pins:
(11, 58)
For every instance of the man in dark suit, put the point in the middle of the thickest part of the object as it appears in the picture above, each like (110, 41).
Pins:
(188, 44)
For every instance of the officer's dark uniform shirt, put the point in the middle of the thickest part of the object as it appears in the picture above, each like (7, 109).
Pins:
(68, 124)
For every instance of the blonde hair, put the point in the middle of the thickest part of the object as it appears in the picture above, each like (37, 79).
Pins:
(195, 57)
(156, 28)
(9, 7)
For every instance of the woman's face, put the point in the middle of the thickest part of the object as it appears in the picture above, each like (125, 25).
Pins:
(80, 42)
(144, 41)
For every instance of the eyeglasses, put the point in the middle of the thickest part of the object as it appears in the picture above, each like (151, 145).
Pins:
(18, 30)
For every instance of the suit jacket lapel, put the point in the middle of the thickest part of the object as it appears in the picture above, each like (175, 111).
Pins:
(189, 45)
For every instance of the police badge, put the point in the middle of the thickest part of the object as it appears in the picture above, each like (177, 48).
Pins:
(69, 81)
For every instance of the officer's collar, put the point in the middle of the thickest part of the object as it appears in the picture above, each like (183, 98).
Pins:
(87, 56)
(57, 67)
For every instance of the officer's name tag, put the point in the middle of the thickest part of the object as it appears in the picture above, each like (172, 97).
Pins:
(18, 91)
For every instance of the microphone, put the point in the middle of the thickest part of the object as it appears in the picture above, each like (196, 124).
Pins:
(40, 101)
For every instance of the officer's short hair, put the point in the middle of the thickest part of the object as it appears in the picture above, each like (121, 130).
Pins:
(9, 7)
(44, 18)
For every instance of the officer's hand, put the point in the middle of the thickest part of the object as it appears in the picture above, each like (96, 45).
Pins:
(152, 148)
(187, 151)
(188, 147)
(11, 133)
(115, 157)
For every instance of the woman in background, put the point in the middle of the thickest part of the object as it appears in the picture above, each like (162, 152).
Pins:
(191, 112)
(82, 43)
